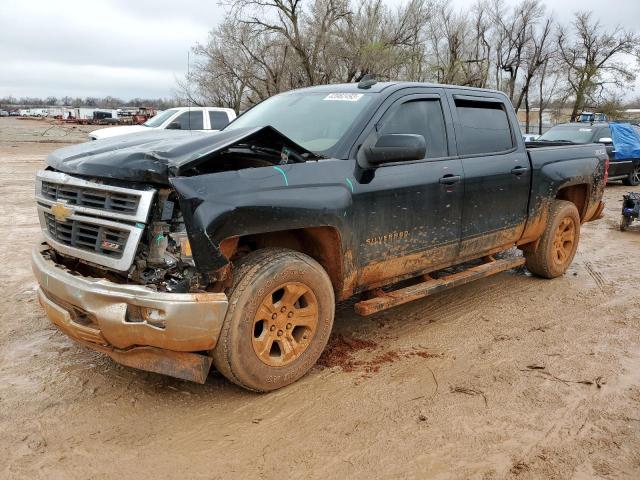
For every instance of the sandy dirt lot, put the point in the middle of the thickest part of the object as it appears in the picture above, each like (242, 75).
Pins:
(509, 377)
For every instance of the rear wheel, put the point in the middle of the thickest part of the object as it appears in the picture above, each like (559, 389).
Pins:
(625, 222)
(558, 243)
(281, 309)
(634, 177)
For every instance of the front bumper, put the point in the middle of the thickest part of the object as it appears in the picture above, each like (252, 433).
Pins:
(106, 316)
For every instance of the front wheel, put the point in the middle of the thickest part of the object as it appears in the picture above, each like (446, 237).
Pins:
(281, 309)
(634, 177)
(558, 243)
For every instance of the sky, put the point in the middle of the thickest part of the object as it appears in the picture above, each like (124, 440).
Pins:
(139, 48)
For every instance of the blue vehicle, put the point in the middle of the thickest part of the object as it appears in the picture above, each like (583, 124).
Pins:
(590, 117)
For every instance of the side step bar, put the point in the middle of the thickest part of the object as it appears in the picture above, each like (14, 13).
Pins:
(429, 287)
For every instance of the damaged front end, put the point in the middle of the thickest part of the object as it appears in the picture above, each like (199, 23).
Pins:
(116, 274)
(164, 258)
(117, 271)
(129, 235)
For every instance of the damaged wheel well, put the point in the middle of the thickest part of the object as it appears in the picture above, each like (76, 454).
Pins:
(323, 244)
(576, 194)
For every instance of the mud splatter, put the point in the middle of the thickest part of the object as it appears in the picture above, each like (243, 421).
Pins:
(342, 352)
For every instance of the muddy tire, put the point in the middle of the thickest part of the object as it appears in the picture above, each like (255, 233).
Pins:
(558, 243)
(634, 177)
(625, 222)
(280, 315)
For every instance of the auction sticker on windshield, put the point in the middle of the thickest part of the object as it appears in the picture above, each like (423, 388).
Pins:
(344, 97)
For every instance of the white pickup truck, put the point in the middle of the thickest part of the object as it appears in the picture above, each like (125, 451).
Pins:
(183, 118)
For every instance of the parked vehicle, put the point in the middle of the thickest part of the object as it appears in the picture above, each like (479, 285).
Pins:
(4, 113)
(625, 169)
(591, 117)
(630, 209)
(173, 252)
(184, 118)
(530, 137)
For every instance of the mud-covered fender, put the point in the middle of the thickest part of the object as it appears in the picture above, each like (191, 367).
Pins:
(556, 169)
(260, 200)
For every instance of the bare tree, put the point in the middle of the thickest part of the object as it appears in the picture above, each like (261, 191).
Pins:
(307, 33)
(270, 46)
(593, 59)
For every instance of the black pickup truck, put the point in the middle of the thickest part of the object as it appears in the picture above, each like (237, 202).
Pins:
(170, 251)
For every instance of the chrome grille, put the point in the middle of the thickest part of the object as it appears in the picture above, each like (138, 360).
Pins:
(85, 236)
(99, 223)
(91, 197)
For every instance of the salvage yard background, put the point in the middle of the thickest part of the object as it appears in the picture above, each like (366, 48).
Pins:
(512, 376)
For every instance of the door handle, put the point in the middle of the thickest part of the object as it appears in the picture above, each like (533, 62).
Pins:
(450, 179)
(519, 170)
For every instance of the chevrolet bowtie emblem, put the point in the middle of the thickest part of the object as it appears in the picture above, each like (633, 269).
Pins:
(61, 212)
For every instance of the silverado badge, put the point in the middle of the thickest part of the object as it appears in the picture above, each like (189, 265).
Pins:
(61, 211)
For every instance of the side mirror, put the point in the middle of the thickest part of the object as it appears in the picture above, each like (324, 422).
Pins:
(396, 147)
(607, 140)
(174, 126)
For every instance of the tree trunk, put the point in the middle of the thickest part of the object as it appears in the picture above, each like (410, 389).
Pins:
(527, 112)
(578, 105)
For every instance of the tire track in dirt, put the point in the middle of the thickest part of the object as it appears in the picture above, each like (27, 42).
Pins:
(598, 277)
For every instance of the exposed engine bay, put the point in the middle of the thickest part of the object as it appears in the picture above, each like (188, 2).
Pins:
(164, 257)
(87, 179)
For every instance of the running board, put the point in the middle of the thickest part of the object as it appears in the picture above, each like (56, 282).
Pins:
(404, 295)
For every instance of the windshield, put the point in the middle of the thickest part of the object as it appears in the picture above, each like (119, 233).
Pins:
(315, 121)
(160, 118)
(571, 134)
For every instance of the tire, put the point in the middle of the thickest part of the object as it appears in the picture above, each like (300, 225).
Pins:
(634, 177)
(280, 315)
(558, 243)
(625, 222)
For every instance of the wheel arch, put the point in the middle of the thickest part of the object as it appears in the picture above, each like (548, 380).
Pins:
(578, 194)
(322, 243)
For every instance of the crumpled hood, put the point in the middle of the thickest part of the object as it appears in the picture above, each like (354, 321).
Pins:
(156, 156)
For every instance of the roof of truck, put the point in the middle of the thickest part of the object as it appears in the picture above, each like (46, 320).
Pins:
(386, 86)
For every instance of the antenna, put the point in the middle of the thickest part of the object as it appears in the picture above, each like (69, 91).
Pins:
(367, 81)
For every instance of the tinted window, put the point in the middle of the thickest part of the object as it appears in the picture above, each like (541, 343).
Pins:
(218, 120)
(190, 120)
(484, 127)
(603, 133)
(420, 117)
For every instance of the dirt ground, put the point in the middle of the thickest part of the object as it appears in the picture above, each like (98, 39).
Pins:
(509, 377)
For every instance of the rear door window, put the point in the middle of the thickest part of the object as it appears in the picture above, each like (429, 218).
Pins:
(419, 117)
(484, 127)
(190, 120)
(218, 120)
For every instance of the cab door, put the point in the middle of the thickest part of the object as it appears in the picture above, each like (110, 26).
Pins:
(408, 214)
(497, 174)
(189, 120)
